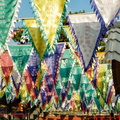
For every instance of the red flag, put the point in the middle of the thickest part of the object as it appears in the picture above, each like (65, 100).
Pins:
(28, 80)
(6, 65)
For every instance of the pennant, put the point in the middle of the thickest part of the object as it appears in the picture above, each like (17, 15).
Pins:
(70, 36)
(2, 85)
(43, 98)
(101, 76)
(76, 74)
(16, 79)
(6, 65)
(53, 61)
(36, 36)
(58, 86)
(33, 66)
(50, 15)
(65, 70)
(25, 97)
(83, 27)
(40, 76)
(106, 11)
(28, 80)
(20, 55)
(70, 92)
(8, 13)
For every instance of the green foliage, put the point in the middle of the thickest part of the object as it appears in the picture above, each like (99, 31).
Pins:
(18, 34)
(76, 12)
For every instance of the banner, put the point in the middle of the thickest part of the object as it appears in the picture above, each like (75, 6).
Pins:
(50, 15)
(6, 65)
(106, 11)
(75, 77)
(8, 12)
(53, 61)
(20, 55)
(36, 35)
(88, 32)
(33, 66)
(16, 79)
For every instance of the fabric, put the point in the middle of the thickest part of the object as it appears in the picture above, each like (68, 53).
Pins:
(2, 84)
(65, 70)
(6, 65)
(101, 76)
(36, 36)
(25, 97)
(106, 10)
(75, 77)
(28, 80)
(33, 66)
(53, 61)
(70, 92)
(84, 26)
(16, 79)
(8, 12)
(50, 15)
(58, 86)
(70, 36)
(20, 55)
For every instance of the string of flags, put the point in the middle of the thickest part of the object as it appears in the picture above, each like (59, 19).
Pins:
(58, 75)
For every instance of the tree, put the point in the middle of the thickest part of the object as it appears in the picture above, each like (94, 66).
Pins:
(17, 34)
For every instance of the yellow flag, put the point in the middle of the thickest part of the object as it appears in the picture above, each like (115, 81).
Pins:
(101, 76)
(50, 14)
(37, 38)
(69, 34)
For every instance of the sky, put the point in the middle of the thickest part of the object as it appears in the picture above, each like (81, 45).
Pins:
(25, 10)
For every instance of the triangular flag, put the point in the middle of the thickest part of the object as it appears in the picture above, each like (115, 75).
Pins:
(88, 32)
(6, 65)
(16, 79)
(36, 36)
(20, 55)
(53, 60)
(107, 11)
(76, 74)
(33, 66)
(8, 12)
(50, 15)
(28, 80)
(58, 86)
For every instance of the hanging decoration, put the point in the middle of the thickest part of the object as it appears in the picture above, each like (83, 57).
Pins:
(8, 13)
(2, 84)
(75, 77)
(16, 80)
(33, 66)
(83, 27)
(53, 61)
(6, 65)
(50, 15)
(28, 80)
(70, 36)
(106, 11)
(36, 35)
(20, 55)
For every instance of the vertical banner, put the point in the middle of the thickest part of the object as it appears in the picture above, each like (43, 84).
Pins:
(36, 36)
(88, 32)
(6, 65)
(106, 10)
(50, 15)
(20, 55)
(53, 61)
(8, 12)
